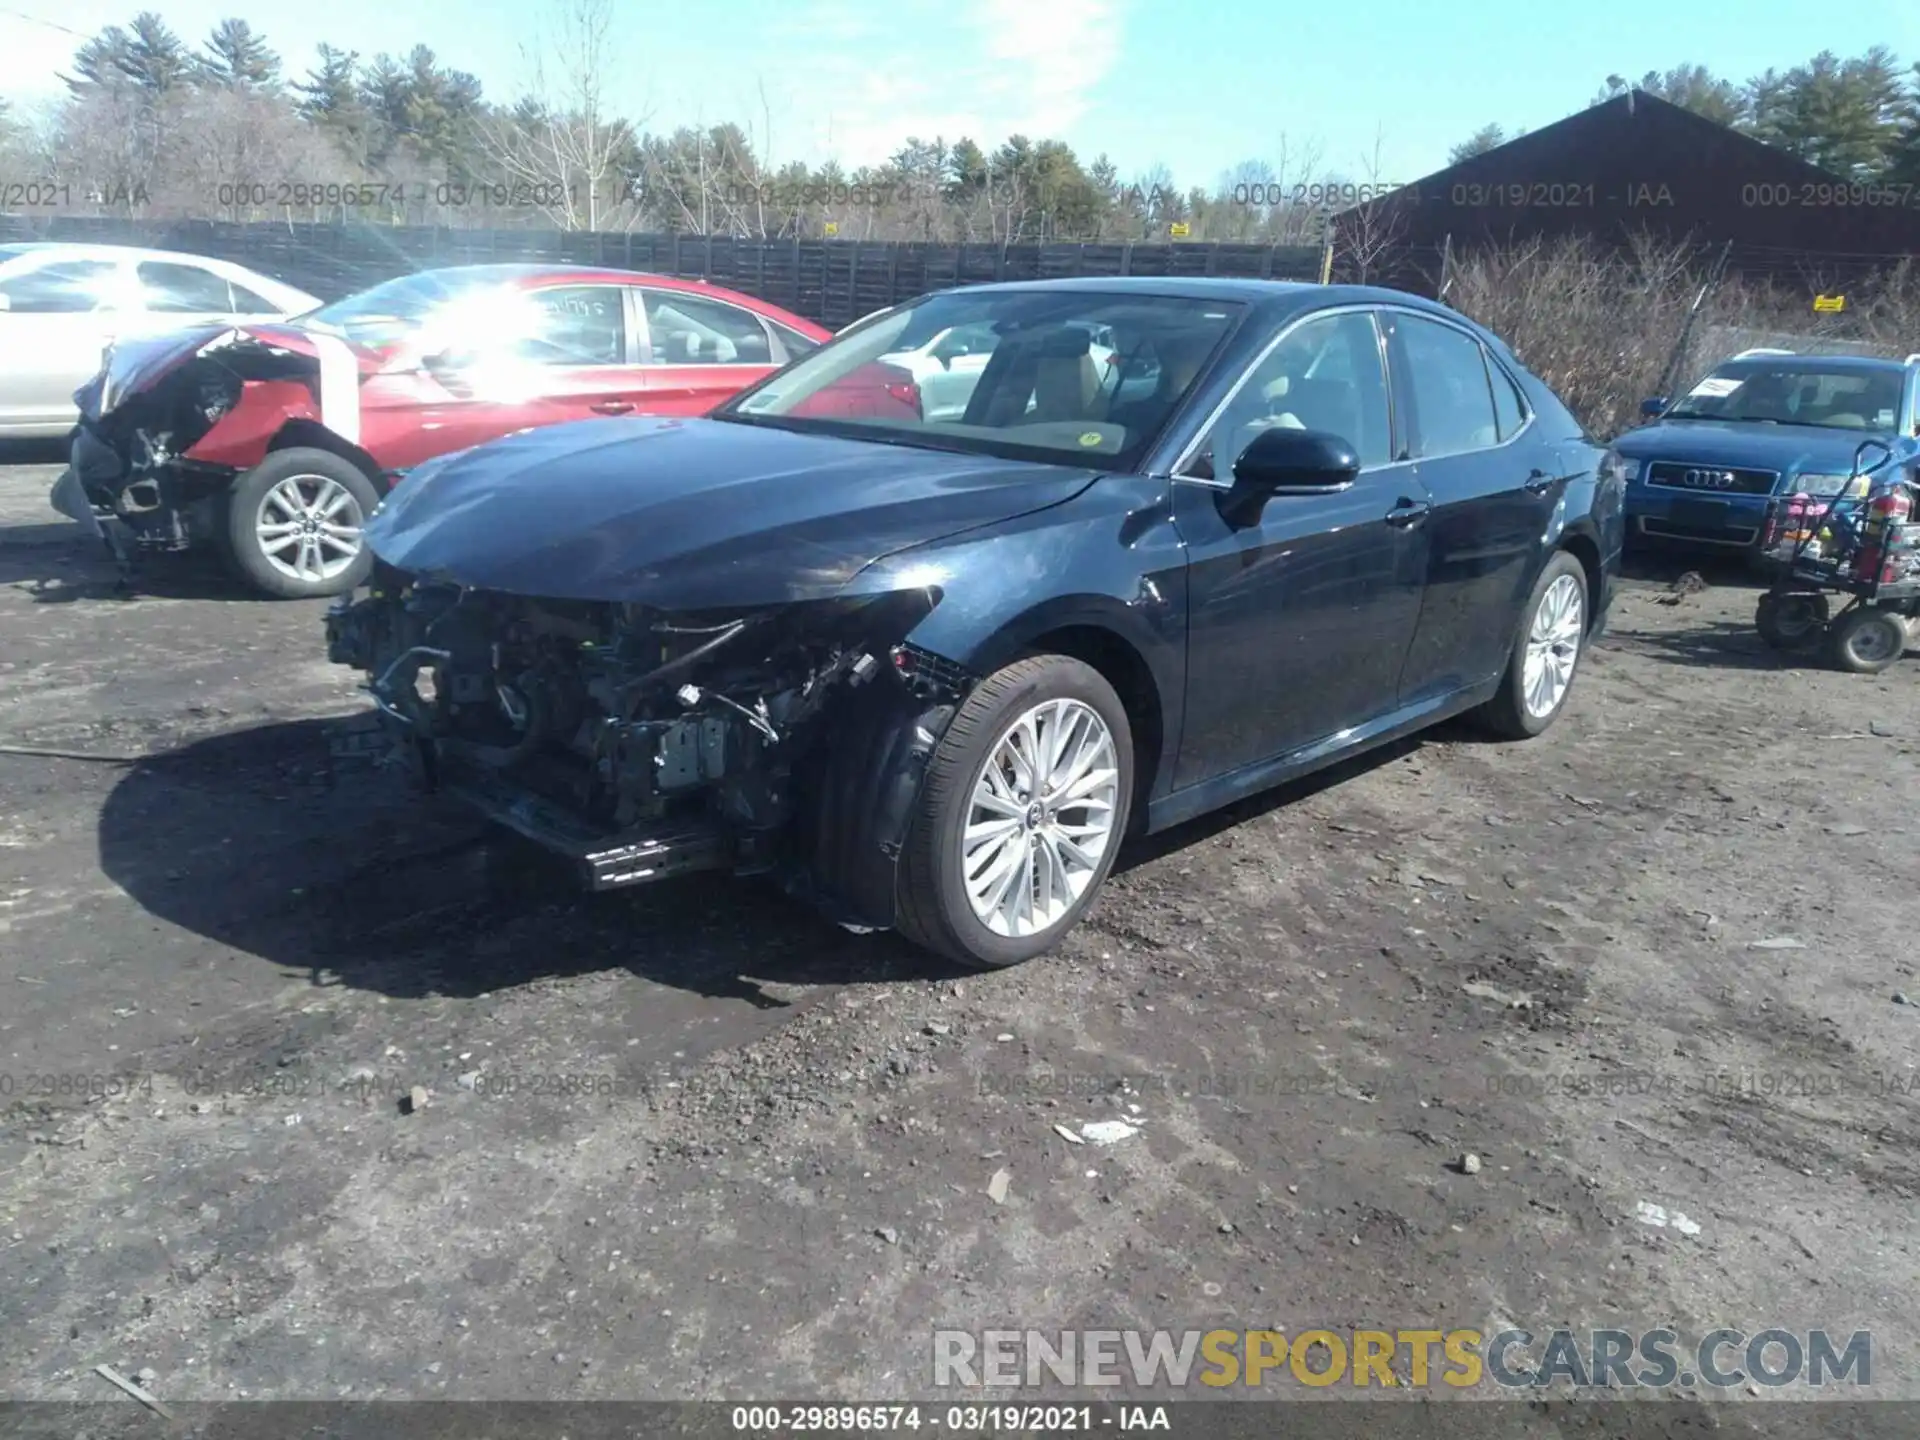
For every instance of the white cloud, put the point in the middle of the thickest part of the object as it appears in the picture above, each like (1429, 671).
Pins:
(1053, 53)
(1002, 67)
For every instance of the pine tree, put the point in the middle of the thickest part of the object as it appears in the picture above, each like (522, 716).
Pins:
(237, 58)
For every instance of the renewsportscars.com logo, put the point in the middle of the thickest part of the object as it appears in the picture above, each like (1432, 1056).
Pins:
(1459, 1359)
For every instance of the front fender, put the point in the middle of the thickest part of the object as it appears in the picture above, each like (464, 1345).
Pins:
(1107, 560)
(1110, 561)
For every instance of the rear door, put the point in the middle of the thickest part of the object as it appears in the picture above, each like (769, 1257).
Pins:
(59, 317)
(1493, 484)
(699, 350)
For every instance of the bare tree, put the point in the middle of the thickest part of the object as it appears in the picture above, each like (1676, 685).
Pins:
(1365, 235)
(114, 144)
(250, 153)
(563, 146)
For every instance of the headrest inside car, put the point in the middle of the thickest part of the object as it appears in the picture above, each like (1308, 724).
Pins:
(1064, 343)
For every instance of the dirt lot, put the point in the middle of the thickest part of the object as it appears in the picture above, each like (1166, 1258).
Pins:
(694, 1143)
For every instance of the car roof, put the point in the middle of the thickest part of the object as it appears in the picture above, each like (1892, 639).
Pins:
(90, 249)
(87, 250)
(510, 272)
(1281, 294)
(533, 272)
(1814, 359)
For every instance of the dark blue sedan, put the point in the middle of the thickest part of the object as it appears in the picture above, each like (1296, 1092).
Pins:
(1173, 541)
(1765, 423)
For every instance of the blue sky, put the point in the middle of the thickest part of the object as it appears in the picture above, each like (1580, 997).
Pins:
(1370, 91)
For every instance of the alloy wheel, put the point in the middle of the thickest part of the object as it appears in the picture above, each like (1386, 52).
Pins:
(1040, 818)
(1553, 647)
(308, 527)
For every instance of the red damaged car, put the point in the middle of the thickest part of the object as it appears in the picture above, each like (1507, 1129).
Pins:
(274, 442)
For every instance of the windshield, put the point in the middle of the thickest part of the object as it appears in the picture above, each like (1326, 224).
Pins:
(1796, 394)
(399, 308)
(1078, 376)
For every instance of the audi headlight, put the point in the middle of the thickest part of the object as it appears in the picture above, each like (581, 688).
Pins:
(1828, 486)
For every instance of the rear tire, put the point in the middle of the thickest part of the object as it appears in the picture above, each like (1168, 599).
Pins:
(1867, 641)
(962, 875)
(294, 521)
(1791, 619)
(1547, 647)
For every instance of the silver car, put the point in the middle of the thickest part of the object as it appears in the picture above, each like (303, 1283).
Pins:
(61, 305)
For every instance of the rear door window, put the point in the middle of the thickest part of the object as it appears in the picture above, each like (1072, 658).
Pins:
(170, 289)
(1452, 396)
(698, 330)
(1509, 407)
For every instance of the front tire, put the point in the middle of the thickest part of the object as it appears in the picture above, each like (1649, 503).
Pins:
(1021, 814)
(1867, 640)
(1546, 653)
(294, 524)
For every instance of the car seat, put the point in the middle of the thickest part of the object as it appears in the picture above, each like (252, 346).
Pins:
(1178, 366)
(1065, 384)
(1767, 397)
(1327, 405)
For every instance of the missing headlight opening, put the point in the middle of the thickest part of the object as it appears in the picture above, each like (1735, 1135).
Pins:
(635, 742)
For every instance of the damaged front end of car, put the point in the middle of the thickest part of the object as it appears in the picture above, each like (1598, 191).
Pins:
(140, 469)
(640, 744)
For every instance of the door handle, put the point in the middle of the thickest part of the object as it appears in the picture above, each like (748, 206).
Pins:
(1407, 513)
(1539, 482)
(611, 407)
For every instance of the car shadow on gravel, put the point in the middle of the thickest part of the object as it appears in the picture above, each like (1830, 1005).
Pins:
(1717, 645)
(58, 564)
(35, 452)
(257, 840)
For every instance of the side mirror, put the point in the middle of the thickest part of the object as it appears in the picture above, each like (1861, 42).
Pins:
(1284, 461)
(1654, 408)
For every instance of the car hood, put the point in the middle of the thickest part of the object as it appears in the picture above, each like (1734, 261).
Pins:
(691, 514)
(1790, 449)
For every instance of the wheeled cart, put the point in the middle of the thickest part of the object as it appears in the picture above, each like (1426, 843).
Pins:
(1864, 544)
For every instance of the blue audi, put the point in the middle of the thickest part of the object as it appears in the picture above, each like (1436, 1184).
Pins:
(1765, 423)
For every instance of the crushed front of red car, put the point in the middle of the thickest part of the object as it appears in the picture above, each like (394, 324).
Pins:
(170, 420)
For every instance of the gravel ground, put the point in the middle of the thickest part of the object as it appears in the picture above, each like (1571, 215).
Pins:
(694, 1143)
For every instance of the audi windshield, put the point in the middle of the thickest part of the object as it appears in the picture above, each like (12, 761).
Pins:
(1797, 392)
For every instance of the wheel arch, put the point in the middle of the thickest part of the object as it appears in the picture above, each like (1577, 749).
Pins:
(1126, 670)
(304, 434)
(1584, 548)
(1108, 636)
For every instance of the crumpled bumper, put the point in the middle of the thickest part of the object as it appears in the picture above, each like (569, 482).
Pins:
(164, 506)
(69, 498)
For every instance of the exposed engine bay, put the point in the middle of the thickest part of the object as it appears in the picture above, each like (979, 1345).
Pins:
(142, 417)
(638, 743)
